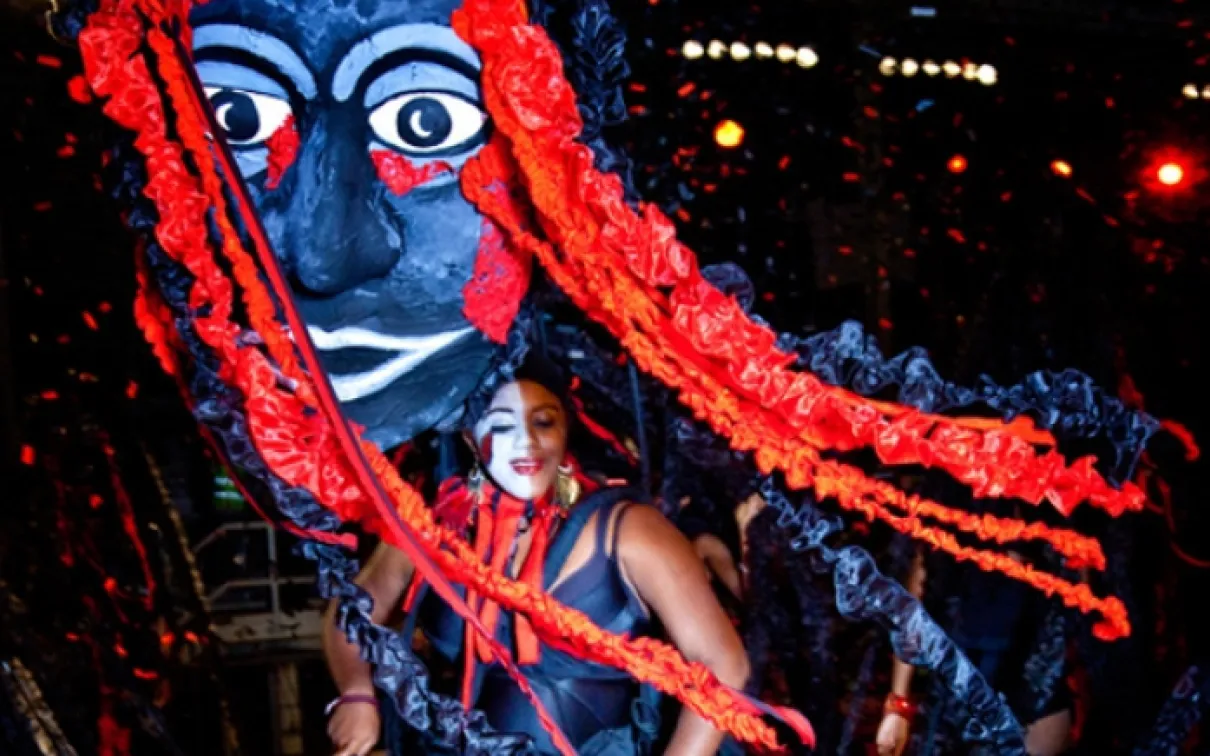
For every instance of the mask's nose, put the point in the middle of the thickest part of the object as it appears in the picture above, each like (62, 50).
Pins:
(334, 233)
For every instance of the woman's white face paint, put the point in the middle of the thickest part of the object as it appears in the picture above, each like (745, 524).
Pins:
(522, 439)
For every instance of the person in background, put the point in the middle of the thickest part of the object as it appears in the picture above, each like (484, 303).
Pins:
(997, 619)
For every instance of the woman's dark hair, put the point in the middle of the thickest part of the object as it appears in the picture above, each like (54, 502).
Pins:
(544, 372)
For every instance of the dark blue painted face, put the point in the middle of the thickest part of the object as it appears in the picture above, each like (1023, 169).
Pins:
(346, 93)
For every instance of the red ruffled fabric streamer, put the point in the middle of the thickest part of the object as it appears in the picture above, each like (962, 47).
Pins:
(626, 270)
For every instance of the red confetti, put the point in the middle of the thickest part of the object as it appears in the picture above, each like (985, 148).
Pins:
(95, 501)
(49, 61)
(90, 321)
(78, 90)
(50, 395)
(27, 455)
(43, 206)
(66, 151)
(132, 390)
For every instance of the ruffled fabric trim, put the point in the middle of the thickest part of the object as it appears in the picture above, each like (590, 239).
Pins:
(626, 270)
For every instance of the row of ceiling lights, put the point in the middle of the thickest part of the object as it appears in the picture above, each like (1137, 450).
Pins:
(1194, 92)
(739, 51)
(984, 74)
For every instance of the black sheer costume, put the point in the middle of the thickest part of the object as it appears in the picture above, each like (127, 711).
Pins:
(601, 710)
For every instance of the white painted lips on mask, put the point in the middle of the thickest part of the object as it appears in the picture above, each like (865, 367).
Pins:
(409, 351)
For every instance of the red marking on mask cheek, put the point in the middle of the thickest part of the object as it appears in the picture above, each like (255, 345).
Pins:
(492, 296)
(283, 149)
(402, 175)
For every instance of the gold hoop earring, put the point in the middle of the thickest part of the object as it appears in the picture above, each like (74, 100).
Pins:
(567, 487)
(474, 481)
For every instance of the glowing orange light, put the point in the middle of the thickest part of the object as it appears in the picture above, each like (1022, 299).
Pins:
(1170, 174)
(729, 134)
(1061, 168)
(957, 164)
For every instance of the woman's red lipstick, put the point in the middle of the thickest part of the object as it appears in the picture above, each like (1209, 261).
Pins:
(527, 467)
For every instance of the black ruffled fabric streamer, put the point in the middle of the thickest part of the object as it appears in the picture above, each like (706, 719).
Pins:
(593, 47)
(398, 672)
(1180, 713)
(1067, 402)
(863, 593)
(1043, 670)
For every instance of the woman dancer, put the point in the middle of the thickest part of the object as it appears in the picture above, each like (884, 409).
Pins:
(619, 562)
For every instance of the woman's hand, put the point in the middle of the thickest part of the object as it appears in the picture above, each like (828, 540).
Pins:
(354, 729)
(892, 734)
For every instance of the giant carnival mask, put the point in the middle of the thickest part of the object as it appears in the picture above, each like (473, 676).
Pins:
(357, 135)
(349, 122)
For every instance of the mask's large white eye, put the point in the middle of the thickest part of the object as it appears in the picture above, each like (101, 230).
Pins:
(427, 122)
(247, 118)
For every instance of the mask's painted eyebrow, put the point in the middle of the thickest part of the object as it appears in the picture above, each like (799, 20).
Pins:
(498, 411)
(257, 50)
(419, 41)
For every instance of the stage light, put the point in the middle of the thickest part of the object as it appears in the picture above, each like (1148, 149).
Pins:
(693, 50)
(764, 50)
(1062, 168)
(887, 66)
(729, 134)
(785, 53)
(807, 57)
(970, 71)
(931, 68)
(1170, 174)
(1206, 93)
(951, 69)
(1191, 92)
(957, 164)
(716, 49)
(740, 51)
(986, 75)
(909, 67)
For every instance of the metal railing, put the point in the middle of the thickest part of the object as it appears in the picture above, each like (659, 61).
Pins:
(261, 620)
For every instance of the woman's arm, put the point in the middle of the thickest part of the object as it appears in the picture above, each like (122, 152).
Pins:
(670, 578)
(895, 728)
(717, 557)
(354, 727)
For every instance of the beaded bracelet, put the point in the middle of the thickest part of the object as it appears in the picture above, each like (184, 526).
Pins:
(351, 698)
(901, 705)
